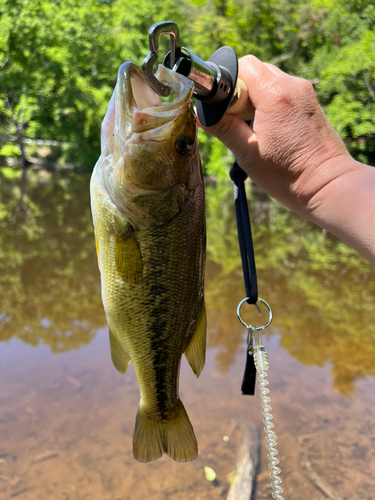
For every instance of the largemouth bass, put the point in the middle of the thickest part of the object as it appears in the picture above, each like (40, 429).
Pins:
(147, 199)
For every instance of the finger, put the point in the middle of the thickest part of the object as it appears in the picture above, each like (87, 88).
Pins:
(230, 130)
(257, 77)
(242, 106)
(236, 135)
(275, 70)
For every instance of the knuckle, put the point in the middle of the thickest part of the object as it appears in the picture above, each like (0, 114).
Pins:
(249, 64)
(299, 90)
(249, 59)
(306, 86)
(282, 95)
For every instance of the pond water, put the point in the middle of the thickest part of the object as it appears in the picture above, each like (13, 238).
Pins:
(67, 416)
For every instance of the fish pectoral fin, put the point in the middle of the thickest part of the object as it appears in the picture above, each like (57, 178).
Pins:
(195, 352)
(97, 248)
(96, 245)
(173, 436)
(128, 256)
(120, 358)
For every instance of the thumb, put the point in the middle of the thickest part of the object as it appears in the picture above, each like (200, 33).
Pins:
(234, 133)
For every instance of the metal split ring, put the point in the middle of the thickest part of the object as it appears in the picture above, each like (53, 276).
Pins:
(258, 328)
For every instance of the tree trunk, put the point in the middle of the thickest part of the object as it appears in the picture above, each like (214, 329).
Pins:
(19, 134)
(24, 161)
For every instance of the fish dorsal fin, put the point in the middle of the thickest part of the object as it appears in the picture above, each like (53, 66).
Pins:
(120, 359)
(128, 256)
(195, 352)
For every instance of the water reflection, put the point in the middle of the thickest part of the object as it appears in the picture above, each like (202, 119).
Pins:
(49, 290)
(322, 292)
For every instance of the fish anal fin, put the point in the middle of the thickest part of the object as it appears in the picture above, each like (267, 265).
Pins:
(128, 256)
(195, 352)
(174, 436)
(120, 359)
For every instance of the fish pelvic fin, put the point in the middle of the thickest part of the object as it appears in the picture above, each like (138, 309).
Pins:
(120, 359)
(195, 352)
(174, 436)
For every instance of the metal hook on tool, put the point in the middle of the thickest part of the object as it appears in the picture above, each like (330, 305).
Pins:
(166, 28)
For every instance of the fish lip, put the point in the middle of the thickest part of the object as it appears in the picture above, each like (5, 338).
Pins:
(180, 85)
(144, 108)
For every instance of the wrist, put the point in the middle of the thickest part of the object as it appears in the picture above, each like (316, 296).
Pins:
(323, 182)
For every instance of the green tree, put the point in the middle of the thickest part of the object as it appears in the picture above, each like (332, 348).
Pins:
(132, 20)
(56, 58)
(59, 64)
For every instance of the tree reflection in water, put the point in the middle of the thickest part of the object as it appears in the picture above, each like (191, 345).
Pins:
(49, 283)
(321, 291)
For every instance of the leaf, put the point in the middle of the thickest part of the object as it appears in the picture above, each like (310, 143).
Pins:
(210, 474)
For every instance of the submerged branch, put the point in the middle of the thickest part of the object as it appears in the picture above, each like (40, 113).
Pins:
(321, 484)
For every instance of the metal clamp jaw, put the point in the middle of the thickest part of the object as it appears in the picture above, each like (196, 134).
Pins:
(214, 80)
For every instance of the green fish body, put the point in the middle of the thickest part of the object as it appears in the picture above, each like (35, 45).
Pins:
(147, 199)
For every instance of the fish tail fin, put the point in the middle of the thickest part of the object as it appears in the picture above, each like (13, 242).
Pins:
(179, 439)
(175, 437)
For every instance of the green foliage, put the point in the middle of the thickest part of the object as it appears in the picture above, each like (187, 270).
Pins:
(343, 65)
(132, 20)
(216, 158)
(10, 151)
(348, 88)
(55, 69)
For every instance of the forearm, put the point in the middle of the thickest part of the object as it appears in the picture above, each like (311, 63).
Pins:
(345, 207)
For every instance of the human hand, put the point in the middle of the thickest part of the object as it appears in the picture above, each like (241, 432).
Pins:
(290, 150)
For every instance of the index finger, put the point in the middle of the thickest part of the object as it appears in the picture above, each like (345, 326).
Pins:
(257, 77)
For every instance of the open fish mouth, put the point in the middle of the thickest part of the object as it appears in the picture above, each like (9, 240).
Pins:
(143, 106)
(136, 114)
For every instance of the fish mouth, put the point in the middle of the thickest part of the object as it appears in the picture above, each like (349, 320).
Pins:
(141, 107)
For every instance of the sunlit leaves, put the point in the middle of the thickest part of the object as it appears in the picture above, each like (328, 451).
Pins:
(52, 57)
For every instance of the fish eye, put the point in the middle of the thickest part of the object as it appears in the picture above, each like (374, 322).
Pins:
(183, 144)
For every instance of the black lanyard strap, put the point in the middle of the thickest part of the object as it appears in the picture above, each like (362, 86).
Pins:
(245, 240)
